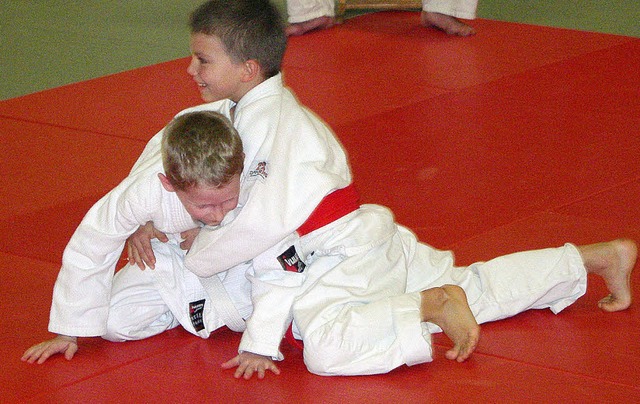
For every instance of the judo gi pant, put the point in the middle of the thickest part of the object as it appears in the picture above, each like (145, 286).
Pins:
(360, 314)
(305, 10)
(146, 303)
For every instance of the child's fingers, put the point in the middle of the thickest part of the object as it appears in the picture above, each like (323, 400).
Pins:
(129, 251)
(274, 368)
(247, 369)
(147, 254)
(134, 257)
(248, 372)
(44, 356)
(249, 364)
(243, 370)
(34, 353)
(39, 353)
(160, 235)
(50, 350)
(27, 354)
(70, 351)
(188, 236)
(232, 363)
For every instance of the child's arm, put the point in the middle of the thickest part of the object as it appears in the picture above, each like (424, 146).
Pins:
(60, 344)
(248, 363)
(273, 291)
(81, 296)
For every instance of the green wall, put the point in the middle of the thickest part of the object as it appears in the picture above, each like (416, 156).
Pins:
(49, 43)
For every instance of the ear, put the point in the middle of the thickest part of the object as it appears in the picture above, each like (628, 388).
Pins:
(252, 70)
(166, 184)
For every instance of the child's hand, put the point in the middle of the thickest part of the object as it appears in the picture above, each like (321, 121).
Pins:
(42, 351)
(248, 363)
(139, 248)
(188, 237)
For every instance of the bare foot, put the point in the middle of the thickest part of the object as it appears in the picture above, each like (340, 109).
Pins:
(446, 23)
(301, 28)
(614, 262)
(447, 307)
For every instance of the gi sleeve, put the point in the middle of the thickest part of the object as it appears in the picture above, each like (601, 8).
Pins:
(273, 291)
(82, 290)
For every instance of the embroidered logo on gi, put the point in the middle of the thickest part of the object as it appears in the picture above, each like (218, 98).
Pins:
(260, 171)
(196, 310)
(290, 260)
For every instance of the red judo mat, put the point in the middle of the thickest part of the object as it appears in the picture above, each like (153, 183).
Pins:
(519, 137)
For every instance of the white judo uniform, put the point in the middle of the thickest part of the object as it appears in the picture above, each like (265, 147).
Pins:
(88, 300)
(305, 10)
(292, 161)
(356, 302)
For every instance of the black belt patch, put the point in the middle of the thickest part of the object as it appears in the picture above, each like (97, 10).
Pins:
(196, 310)
(290, 260)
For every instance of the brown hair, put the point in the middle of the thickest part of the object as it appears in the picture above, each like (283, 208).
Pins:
(249, 29)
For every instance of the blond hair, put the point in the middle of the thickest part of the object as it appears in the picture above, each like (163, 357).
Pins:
(201, 148)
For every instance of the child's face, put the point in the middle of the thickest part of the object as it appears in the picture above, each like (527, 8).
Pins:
(208, 204)
(218, 77)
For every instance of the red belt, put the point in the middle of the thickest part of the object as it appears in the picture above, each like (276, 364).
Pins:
(332, 207)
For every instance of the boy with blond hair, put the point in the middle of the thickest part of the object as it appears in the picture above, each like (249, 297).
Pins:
(196, 183)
